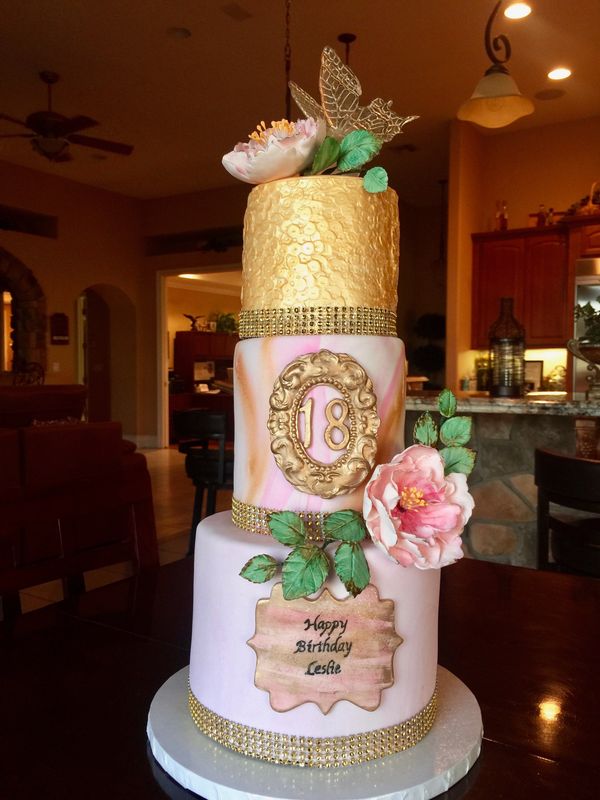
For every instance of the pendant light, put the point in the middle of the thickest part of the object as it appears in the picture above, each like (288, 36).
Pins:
(496, 101)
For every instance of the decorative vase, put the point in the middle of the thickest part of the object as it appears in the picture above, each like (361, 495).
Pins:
(590, 353)
(507, 353)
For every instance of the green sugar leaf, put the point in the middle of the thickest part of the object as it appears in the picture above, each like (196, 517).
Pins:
(425, 430)
(447, 403)
(375, 180)
(326, 155)
(304, 572)
(351, 567)
(347, 526)
(458, 459)
(259, 569)
(287, 527)
(356, 148)
(456, 431)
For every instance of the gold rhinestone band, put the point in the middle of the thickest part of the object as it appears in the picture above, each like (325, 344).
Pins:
(302, 321)
(308, 751)
(255, 519)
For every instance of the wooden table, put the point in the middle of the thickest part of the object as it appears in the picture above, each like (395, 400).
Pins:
(76, 682)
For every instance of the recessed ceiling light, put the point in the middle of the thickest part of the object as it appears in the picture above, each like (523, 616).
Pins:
(190, 276)
(559, 74)
(517, 11)
(179, 33)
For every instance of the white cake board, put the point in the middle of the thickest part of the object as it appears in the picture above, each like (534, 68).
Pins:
(439, 761)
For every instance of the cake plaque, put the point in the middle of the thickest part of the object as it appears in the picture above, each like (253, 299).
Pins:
(324, 650)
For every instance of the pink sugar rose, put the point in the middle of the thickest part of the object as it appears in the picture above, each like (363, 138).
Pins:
(414, 512)
(280, 151)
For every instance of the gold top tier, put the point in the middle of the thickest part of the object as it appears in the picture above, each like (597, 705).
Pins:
(320, 256)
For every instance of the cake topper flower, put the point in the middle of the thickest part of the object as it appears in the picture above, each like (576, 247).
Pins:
(279, 151)
(355, 134)
(417, 506)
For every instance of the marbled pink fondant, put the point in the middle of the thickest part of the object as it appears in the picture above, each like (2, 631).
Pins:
(222, 664)
(257, 365)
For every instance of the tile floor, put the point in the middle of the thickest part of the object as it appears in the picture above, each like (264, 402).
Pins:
(173, 496)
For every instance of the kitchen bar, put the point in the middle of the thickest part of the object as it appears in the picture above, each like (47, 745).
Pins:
(506, 433)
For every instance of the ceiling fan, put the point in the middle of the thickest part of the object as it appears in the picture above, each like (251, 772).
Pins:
(52, 133)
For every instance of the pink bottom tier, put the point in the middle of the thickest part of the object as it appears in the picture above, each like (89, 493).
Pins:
(222, 664)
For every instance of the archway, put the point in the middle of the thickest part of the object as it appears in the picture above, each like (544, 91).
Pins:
(109, 349)
(28, 310)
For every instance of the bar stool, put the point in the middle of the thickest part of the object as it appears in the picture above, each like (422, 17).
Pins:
(573, 538)
(208, 460)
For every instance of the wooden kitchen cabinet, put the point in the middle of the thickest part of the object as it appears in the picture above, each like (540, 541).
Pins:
(530, 265)
(191, 346)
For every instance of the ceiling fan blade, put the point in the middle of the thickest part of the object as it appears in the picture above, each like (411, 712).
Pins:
(75, 124)
(13, 119)
(17, 135)
(102, 144)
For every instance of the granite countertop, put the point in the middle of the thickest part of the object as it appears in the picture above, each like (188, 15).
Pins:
(502, 405)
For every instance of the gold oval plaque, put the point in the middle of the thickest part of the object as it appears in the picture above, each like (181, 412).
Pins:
(351, 423)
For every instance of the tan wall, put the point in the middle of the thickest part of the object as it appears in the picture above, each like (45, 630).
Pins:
(554, 165)
(189, 212)
(464, 217)
(422, 276)
(187, 301)
(99, 242)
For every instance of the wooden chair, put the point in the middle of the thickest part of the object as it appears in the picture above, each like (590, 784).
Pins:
(73, 498)
(573, 538)
(208, 461)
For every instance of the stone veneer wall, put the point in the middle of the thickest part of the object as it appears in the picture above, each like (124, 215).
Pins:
(503, 525)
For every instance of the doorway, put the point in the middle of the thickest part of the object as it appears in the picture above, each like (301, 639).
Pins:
(107, 363)
(203, 293)
(23, 317)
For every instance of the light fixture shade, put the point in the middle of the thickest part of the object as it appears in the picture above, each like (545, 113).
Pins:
(496, 101)
(50, 145)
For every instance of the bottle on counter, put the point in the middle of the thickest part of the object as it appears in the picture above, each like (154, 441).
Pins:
(497, 216)
(507, 353)
(504, 216)
(541, 216)
(550, 217)
(482, 372)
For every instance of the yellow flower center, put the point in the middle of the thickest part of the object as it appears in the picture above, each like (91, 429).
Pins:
(411, 497)
(260, 135)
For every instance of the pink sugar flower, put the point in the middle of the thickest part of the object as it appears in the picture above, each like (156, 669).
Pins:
(414, 512)
(280, 151)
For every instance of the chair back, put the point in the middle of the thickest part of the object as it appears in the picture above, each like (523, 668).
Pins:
(568, 481)
(572, 483)
(208, 460)
(198, 424)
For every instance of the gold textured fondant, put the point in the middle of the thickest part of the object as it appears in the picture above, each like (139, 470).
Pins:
(352, 468)
(316, 321)
(255, 519)
(320, 242)
(309, 751)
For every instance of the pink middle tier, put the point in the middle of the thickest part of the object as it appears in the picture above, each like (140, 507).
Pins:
(257, 365)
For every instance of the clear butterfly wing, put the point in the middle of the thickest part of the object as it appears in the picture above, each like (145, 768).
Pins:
(380, 120)
(340, 90)
(307, 104)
